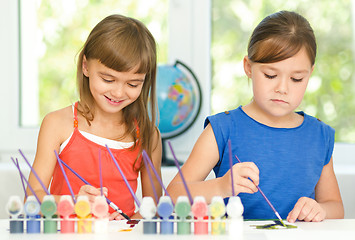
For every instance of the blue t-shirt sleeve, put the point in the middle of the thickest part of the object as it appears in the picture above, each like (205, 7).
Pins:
(221, 124)
(217, 131)
(329, 137)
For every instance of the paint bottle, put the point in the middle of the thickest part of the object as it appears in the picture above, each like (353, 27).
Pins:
(65, 209)
(235, 218)
(48, 209)
(199, 209)
(83, 212)
(183, 210)
(14, 208)
(148, 210)
(165, 208)
(32, 209)
(217, 212)
(100, 211)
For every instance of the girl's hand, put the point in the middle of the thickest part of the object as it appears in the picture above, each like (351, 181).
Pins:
(115, 216)
(91, 192)
(308, 210)
(245, 177)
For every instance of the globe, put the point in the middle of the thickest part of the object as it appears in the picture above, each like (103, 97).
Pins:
(179, 100)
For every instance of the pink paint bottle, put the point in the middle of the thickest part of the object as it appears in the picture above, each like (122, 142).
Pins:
(65, 209)
(199, 209)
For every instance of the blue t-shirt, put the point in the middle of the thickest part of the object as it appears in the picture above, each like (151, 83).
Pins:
(290, 160)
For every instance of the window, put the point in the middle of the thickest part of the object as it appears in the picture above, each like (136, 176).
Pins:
(330, 93)
(38, 56)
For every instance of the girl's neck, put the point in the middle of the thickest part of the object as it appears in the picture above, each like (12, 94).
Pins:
(290, 120)
(106, 125)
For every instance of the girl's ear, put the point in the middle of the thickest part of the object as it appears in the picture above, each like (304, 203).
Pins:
(85, 66)
(247, 66)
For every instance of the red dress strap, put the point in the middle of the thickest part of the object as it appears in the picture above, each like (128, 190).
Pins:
(137, 128)
(76, 115)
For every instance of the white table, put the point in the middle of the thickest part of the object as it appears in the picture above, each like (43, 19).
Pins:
(328, 229)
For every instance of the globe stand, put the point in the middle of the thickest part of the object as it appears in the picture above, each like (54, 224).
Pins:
(167, 162)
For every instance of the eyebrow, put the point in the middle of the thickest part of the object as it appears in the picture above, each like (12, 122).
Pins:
(276, 69)
(109, 75)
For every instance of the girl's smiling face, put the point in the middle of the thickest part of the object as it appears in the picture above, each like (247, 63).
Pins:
(279, 87)
(112, 90)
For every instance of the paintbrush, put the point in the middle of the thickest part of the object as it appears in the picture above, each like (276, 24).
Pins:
(24, 178)
(65, 176)
(231, 165)
(145, 154)
(22, 181)
(124, 177)
(111, 204)
(150, 178)
(267, 200)
(180, 172)
(34, 172)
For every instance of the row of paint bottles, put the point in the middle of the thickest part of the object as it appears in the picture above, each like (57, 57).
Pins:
(65, 208)
(199, 210)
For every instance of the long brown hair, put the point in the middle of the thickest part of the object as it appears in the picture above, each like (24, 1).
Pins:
(122, 43)
(280, 36)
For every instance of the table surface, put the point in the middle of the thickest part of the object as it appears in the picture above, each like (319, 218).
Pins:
(328, 229)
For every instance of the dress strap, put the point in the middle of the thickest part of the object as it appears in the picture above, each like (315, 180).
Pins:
(137, 128)
(76, 115)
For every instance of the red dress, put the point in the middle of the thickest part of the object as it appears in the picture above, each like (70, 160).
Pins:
(81, 154)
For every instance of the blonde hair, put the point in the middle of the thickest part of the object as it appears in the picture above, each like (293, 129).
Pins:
(122, 43)
(280, 36)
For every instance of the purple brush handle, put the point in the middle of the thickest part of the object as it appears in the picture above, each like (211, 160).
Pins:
(23, 176)
(155, 172)
(182, 176)
(100, 169)
(231, 165)
(23, 184)
(267, 200)
(34, 172)
(150, 178)
(65, 175)
(124, 178)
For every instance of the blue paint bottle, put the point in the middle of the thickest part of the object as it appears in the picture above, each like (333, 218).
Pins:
(165, 209)
(32, 208)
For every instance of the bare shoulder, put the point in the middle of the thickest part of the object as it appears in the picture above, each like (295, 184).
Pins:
(156, 137)
(59, 123)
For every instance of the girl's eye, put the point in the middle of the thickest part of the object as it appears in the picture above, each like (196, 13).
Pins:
(133, 85)
(270, 76)
(297, 79)
(107, 80)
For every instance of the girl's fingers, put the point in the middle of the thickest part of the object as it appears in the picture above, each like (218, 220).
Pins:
(247, 170)
(105, 190)
(244, 183)
(294, 214)
(113, 216)
(313, 212)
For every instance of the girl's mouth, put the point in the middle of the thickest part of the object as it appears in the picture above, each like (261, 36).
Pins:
(113, 101)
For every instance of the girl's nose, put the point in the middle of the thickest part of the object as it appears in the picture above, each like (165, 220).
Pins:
(117, 91)
(282, 87)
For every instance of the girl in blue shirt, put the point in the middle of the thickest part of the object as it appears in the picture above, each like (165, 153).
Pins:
(287, 153)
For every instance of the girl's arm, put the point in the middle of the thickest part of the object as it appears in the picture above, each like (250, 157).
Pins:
(327, 203)
(203, 158)
(49, 139)
(156, 157)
